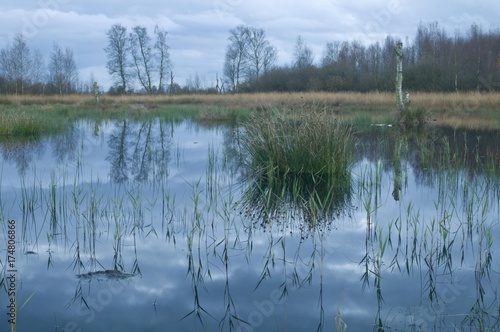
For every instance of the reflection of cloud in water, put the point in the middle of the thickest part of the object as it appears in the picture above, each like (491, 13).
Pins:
(183, 256)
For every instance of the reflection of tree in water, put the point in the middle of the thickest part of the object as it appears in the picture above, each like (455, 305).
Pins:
(118, 151)
(138, 150)
(65, 146)
(141, 161)
(455, 164)
(233, 159)
(22, 153)
(161, 154)
(428, 153)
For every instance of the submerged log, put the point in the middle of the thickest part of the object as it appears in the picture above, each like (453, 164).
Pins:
(106, 274)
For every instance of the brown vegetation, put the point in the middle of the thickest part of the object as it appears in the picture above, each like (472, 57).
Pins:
(456, 109)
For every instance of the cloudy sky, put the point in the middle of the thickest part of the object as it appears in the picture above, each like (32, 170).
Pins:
(198, 29)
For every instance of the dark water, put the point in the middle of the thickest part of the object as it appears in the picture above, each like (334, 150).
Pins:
(143, 226)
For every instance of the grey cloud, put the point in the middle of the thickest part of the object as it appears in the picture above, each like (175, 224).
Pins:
(198, 30)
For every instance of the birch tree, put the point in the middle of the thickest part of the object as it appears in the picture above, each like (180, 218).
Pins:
(16, 64)
(303, 55)
(399, 75)
(260, 53)
(117, 53)
(235, 59)
(142, 56)
(162, 56)
(248, 55)
(63, 72)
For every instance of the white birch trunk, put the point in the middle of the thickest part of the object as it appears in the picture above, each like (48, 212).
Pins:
(399, 76)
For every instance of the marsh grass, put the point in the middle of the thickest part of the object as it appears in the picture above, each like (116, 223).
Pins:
(467, 110)
(22, 124)
(412, 243)
(437, 244)
(337, 100)
(302, 158)
(286, 144)
(413, 117)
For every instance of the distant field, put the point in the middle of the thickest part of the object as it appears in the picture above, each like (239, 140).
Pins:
(455, 109)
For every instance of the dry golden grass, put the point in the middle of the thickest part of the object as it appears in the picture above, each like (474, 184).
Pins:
(456, 109)
(434, 101)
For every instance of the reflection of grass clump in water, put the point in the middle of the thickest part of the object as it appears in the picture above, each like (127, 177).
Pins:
(303, 158)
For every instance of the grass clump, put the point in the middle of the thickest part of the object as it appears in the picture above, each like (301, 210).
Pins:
(301, 157)
(413, 117)
(299, 143)
(21, 124)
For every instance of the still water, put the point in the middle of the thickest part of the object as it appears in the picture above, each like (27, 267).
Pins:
(146, 226)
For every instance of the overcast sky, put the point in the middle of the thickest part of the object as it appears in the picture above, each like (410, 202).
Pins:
(198, 29)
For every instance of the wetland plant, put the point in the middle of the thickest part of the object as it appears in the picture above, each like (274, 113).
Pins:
(308, 143)
(21, 124)
(301, 158)
(413, 117)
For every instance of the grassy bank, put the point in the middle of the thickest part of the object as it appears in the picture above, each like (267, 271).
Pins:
(469, 110)
(25, 124)
(435, 101)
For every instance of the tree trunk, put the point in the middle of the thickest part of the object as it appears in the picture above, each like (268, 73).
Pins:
(399, 76)
(171, 82)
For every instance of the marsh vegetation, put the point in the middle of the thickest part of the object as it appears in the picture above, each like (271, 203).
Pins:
(459, 110)
(236, 217)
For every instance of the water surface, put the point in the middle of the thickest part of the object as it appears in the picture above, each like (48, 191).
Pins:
(147, 226)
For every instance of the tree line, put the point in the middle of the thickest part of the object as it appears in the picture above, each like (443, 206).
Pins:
(23, 71)
(132, 58)
(433, 61)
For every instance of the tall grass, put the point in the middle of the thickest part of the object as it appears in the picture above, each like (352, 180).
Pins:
(303, 157)
(284, 143)
(436, 101)
(468, 110)
(18, 124)
(413, 117)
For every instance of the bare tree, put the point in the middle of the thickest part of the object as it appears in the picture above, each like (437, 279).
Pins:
(56, 74)
(260, 53)
(117, 53)
(38, 73)
(70, 70)
(231, 73)
(21, 70)
(331, 53)
(63, 73)
(142, 55)
(22, 63)
(248, 55)
(196, 84)
(374, 65)
(162, 56)
(235, 60)
(16, 64)
(303, 55)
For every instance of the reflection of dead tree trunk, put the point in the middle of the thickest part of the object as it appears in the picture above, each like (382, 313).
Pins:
(399, 76)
